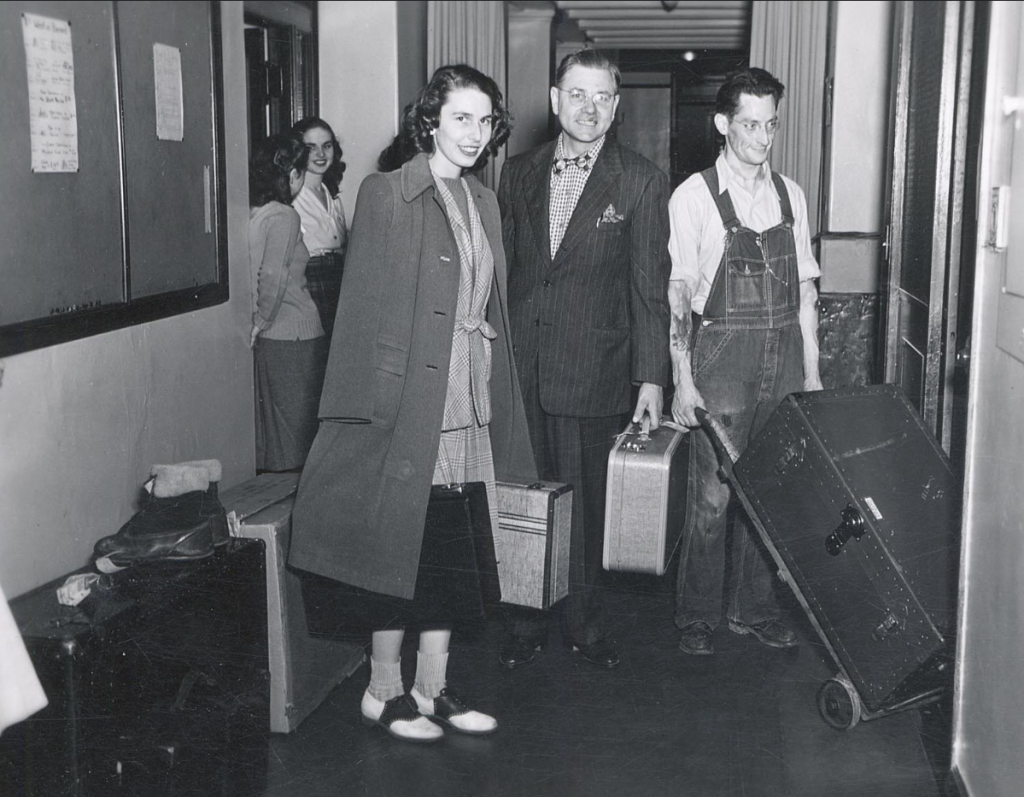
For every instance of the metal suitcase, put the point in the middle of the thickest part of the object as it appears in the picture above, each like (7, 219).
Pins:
(860, 509)
(532, 542)
(645, 505)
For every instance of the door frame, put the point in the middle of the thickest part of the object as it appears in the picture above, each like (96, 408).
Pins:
(935, 399)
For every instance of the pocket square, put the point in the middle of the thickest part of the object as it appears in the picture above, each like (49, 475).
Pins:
(610, 216)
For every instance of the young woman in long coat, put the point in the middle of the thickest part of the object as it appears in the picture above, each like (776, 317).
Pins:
(405, 330)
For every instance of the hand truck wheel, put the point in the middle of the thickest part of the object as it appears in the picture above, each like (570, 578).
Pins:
(839, 704)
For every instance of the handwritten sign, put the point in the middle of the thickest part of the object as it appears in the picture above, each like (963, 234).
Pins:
(170, 124)
(53, 119)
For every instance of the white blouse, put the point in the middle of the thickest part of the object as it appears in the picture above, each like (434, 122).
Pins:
(323, 229)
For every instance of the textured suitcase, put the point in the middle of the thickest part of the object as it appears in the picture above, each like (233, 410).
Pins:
(861, 510)
(532, 542)
(645, 505)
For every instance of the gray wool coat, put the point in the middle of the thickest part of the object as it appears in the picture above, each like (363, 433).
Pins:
(363, 493)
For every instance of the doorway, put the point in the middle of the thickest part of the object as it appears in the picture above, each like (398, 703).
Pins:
(677, 90)
(931, 210)
(281, 65)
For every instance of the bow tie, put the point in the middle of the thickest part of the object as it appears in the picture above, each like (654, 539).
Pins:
(561, 164)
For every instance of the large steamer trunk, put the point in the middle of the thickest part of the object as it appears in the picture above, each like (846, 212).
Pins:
(862, 512)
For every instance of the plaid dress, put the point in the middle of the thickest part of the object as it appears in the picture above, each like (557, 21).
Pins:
(464, 454)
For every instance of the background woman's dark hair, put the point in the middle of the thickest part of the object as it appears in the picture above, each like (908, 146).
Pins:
(753, 81)
(332, 177)
(423, 115)
(271, 166)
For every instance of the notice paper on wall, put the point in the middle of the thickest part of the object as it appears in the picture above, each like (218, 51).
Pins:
(170, 122)
(50, 68)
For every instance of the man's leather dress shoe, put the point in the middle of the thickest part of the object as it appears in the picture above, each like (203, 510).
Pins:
(603, 653)
(518, 652)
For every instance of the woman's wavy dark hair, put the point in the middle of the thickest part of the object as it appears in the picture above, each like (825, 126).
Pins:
(271, 166)
(423, 115)
(332, 177)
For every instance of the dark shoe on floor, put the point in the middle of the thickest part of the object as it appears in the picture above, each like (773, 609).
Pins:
(773, 633)
(518, 652)
(603, 653)
(696, 639)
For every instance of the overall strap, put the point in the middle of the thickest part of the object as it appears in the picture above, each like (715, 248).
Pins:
(725, 209)
(787, 208)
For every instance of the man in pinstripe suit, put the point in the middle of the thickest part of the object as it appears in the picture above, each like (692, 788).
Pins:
(585, 228)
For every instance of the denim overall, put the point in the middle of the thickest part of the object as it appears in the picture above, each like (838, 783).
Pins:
(747, 355)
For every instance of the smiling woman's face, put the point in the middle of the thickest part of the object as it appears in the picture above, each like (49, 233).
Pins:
(465, 128)
(320, 144)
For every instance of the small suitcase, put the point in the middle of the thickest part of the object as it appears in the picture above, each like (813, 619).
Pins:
(645, 505)
(532, 542)
(860, 509)
(458, 549)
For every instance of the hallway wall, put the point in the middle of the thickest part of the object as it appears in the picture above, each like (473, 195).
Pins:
(82, 423)
(359, 82)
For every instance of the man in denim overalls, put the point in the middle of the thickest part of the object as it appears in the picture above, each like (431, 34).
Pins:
(744, 335)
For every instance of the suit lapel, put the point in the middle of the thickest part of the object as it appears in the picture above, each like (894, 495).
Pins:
(596, 196)
(537, 186)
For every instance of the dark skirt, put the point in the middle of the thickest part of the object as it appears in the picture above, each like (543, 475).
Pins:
(323, 278)
(456, 580)
(289, 379)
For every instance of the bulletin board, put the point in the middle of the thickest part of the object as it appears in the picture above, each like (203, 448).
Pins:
(111, 206)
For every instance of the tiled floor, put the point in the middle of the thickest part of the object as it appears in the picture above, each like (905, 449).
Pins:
(740, 723)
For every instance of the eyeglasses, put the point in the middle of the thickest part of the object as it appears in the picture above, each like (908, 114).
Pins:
(578, 97)
(770, 128)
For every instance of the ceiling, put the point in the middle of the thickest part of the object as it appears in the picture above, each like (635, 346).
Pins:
(650, 24)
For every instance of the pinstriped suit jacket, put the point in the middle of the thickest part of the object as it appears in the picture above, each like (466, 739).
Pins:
(593, 319)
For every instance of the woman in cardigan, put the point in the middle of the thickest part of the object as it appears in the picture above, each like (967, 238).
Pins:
(286, 335)
(420, 390)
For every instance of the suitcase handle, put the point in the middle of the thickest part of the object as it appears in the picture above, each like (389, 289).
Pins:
(852, 526)
(643, 432)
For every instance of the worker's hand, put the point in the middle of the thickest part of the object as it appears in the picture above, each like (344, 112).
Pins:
(686, 400)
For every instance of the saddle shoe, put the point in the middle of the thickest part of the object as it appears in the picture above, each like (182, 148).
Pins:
(452, 710)
(400, 718)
